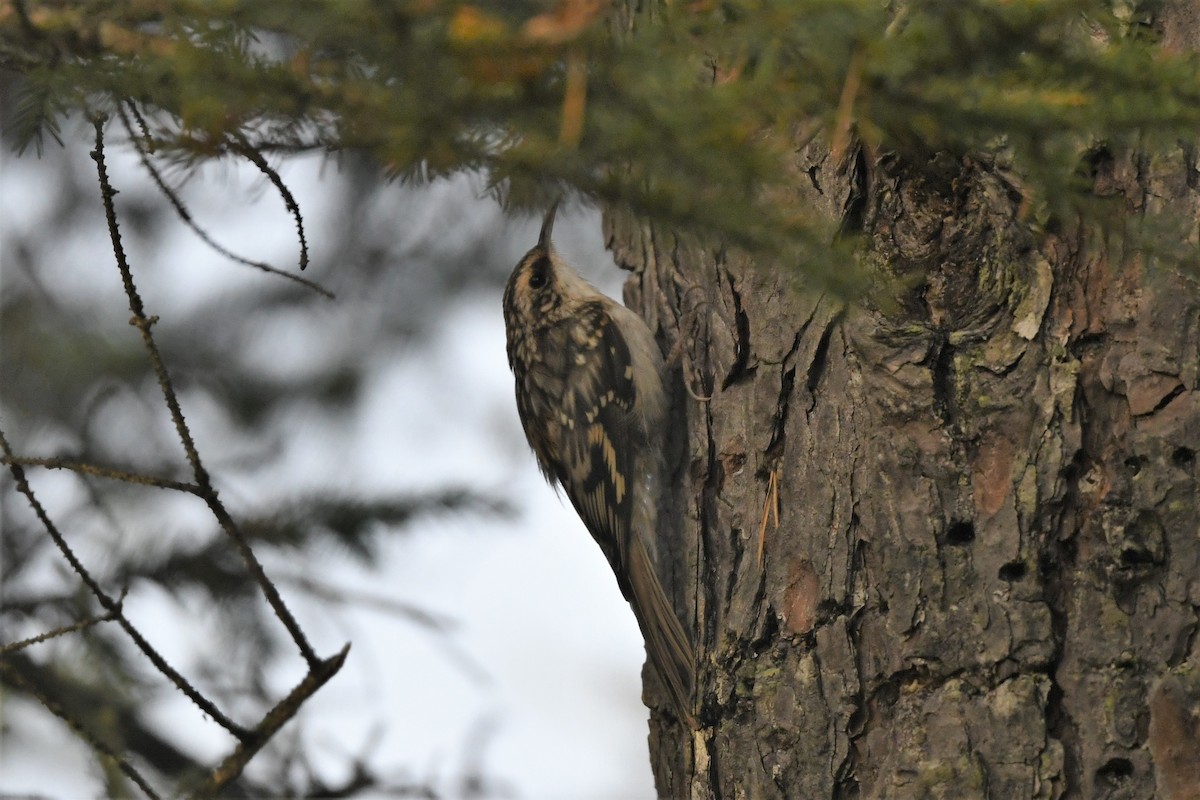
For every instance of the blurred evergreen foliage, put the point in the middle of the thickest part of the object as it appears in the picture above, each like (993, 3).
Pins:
(687, 112)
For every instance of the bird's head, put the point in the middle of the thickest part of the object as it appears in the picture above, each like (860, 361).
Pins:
(543, 288)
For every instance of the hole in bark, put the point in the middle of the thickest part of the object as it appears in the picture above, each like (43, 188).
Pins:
(960, 532)
(1013, 571)
(1114, 771)
(1136, 556)
(1064, 557)
(1183, 457)
(943, 381)
(812, 176)
(1087, 341)
(1072, 471)
(1054, 708)
(828, 610)
(1134, 464)
(887, 694)
(1096, 160)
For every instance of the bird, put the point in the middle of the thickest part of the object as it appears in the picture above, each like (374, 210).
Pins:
(590, 396)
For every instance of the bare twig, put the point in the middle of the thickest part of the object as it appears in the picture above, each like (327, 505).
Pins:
(85, 468)
(139, 144)
(242, 146)
(440, 625)
(275, 719)
(844, 121)
(81, 625)
(100, 747)
(206, 491)
(574, 99)
(250, 741)
(111, 605)
(388, 605)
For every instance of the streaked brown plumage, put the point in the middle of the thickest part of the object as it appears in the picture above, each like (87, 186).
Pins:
(590, 397)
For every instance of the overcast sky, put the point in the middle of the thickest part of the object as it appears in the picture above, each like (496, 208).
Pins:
(539, 674)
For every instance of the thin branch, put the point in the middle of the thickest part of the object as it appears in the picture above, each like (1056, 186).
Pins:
(113, 606)
(139, 144)
(844, 121)
(574, 99)
(85, 468)
(387, 605)
(242, 146)
(437, 624)
(206, 491)
(83, 733)
(276, 718)
(81, 625)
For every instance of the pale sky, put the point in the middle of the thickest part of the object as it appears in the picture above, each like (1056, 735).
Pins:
(555, 709)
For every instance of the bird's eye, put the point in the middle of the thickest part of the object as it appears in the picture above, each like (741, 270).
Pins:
(539, 275)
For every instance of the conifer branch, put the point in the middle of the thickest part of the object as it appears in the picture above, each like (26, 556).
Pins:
(202, 479)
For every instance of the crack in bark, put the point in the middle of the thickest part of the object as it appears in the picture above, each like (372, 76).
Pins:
(818, 678)
(845, 778)
(774, 448)
(739, 552)
(1166, 400)
(820, 360)
(857, 192)
(1054, 565)
(942, 371)
(714, 774)
(1183, 647)
(741, 343)
(787, 383)
(770, 625)
(977, 757)
(706, 514)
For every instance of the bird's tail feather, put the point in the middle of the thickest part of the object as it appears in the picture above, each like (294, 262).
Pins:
(667, 644)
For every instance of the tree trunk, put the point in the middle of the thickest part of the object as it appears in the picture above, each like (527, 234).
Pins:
(983, 579)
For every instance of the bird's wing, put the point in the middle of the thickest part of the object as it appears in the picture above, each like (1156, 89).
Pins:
(599, 417)
(603, 438)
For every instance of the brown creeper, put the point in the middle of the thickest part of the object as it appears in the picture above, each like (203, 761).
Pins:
(591, 400)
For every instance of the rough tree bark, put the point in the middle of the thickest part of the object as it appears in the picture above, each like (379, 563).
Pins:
(985, 576)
